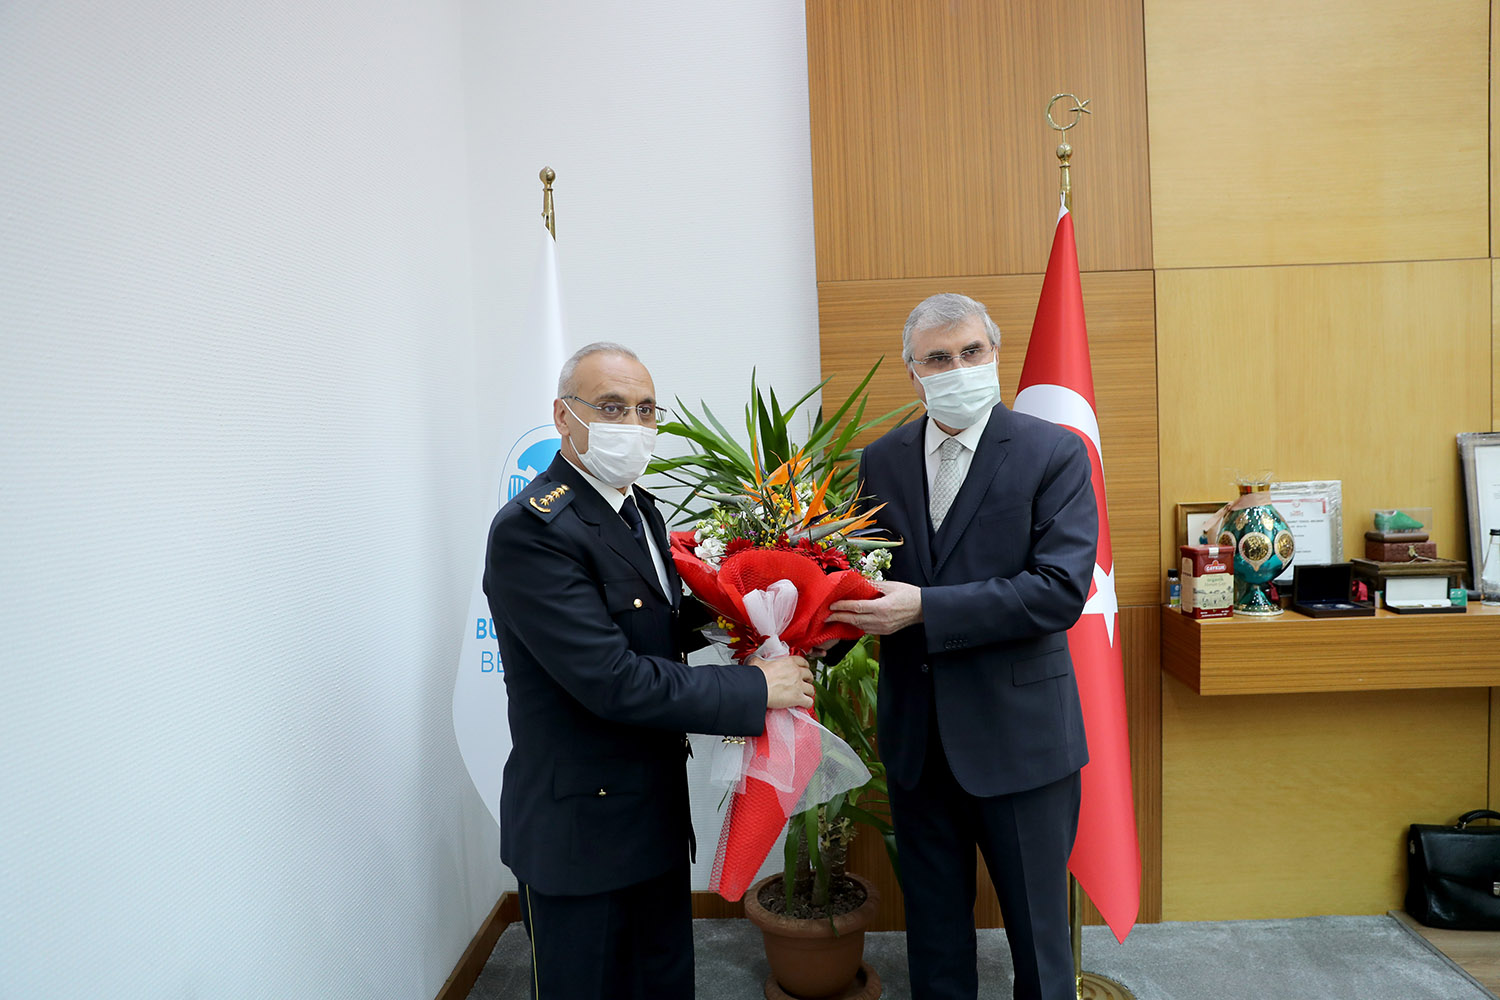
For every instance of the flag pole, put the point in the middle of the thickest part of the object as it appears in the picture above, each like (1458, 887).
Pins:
(548, 175)
(1089, 985)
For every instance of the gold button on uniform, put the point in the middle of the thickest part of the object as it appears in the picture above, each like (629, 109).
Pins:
(637, 602)
(601, 792)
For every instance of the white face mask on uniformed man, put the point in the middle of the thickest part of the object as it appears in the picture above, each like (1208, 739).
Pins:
(958, 398)
(618, 453)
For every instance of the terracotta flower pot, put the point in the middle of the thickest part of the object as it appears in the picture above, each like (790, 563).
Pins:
(807, 958)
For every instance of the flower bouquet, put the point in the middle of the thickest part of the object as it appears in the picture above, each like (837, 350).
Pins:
(770, 561)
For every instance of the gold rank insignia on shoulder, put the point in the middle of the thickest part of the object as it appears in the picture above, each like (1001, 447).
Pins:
(544, 503)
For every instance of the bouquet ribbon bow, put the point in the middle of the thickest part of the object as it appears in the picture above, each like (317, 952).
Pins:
(781, 597)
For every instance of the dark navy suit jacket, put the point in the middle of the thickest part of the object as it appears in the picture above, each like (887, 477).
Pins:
(1002, 582)
(595, 793)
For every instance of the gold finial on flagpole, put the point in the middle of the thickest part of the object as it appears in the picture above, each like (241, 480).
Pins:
(1064, 150)
(548, 175)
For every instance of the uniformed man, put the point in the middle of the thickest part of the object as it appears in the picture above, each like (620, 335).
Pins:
(594, 817)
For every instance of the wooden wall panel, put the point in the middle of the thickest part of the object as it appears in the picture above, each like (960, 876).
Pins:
(931, 153)
(1494, 135)
(1287, 132)
(1290, 805)
(1139, 629)
(861, 321)
(1494, 346)
(1361, 373)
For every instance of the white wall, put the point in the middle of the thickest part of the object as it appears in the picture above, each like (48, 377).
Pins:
(238, 454)
(679, 133)
(258, 264)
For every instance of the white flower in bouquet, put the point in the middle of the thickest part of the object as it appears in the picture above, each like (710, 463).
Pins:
(872, 565)
(710, 549)
(711, 537)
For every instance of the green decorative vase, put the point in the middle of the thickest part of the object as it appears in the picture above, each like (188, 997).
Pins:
(1263, 549)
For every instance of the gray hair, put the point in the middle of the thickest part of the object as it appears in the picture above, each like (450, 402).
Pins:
(940, 312)
(565, 386)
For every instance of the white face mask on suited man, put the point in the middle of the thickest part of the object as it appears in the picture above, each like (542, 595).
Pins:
(958, 398)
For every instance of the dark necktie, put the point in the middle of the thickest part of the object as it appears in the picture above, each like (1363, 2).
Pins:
(632, 517)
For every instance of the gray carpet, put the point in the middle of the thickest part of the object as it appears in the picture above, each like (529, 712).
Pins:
(1314, 958)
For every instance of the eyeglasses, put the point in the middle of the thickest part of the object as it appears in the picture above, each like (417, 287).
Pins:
(966, 358)
(649, 413)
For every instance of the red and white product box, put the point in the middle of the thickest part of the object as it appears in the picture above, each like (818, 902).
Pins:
(1207, 581)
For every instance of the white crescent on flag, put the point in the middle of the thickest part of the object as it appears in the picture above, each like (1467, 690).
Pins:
(1060, 405)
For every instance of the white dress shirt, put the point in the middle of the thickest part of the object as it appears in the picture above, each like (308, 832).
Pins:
(616, 500)
(968, 437)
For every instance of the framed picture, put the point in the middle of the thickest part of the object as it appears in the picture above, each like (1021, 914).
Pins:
(1192, 519)
(1314, 511)
(1479, 454)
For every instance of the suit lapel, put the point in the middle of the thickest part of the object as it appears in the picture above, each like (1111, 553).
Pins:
(988, 458)
(594, 510)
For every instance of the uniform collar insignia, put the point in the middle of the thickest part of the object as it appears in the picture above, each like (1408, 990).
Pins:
(544, 503)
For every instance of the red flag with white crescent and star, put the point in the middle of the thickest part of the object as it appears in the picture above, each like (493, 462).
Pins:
(1057, 384)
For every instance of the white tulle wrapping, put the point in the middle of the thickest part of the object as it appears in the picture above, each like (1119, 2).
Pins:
(770, 611)
(839, 768)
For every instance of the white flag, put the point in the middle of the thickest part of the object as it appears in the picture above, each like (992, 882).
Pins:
(526, 388)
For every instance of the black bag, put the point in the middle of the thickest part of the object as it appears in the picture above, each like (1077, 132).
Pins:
(1453, 874)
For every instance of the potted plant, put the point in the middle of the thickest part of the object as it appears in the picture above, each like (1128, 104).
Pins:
(813, 915)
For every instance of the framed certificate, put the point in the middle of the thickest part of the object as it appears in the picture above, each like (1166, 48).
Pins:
(1479, 453)
(1314, 512)
(1192, 519)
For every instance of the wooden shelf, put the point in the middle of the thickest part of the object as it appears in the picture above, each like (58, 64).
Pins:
(1293, 653)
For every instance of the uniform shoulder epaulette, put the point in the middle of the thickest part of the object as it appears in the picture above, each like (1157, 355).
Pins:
(545, 500)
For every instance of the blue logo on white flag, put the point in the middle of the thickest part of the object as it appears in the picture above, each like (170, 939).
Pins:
(532, 453)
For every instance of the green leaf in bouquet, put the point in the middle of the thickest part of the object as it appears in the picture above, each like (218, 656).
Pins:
(867, 544)
(738, 499)
(818, 532)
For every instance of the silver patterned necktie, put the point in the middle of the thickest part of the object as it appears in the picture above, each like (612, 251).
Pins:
(945, 484)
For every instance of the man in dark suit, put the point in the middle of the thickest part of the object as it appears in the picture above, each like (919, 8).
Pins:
(978, 715)
(594, 817)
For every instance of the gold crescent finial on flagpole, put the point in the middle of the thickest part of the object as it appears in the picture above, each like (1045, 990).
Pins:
(548, 175)
(1064, 150)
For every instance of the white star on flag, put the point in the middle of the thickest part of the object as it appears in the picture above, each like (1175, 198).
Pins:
(1103, 602)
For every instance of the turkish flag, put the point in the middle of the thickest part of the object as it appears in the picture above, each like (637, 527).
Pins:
(1057, 384)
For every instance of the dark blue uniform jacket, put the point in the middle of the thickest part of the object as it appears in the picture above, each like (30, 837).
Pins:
(595, 793)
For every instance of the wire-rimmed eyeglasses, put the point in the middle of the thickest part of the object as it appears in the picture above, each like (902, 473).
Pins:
(611, 412)
(966, 358)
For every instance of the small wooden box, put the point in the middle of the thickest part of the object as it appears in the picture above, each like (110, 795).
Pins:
(1377, 573)
(1399, 551)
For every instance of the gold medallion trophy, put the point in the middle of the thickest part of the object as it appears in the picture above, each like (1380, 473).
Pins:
(1091, 985)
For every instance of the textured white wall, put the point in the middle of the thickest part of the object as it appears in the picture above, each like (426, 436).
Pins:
(258, 264)
(238, 453)
(679, 132)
